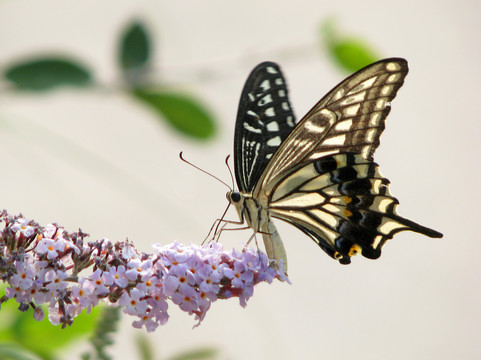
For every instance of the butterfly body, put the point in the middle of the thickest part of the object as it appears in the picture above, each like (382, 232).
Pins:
(249, 209)
(318, 175)
(258, 216)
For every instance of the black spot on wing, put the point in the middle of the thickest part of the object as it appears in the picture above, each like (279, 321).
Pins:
(346, 174)
(355, 187)
(325, 164)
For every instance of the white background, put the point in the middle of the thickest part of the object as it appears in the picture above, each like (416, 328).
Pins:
(99, 161)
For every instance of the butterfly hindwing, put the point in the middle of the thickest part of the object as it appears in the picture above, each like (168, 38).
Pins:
(264, 120)
(343, 203)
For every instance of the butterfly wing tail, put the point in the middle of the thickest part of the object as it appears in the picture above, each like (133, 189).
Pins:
(274, 246)
(413, 226)
(372, 242)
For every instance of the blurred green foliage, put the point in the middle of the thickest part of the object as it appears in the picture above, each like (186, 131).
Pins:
(103, 336)
(15, 352)
(39, 337)
(135, 47)
(182, 112)
(350, 53)
(47, 73)
(189, 117)
(205, 353)
(146, 351)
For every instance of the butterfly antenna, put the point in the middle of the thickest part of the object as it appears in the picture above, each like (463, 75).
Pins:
(205, 172)
(230, 171)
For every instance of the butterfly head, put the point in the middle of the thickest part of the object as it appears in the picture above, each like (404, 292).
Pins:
(235, 197)
(239, 201)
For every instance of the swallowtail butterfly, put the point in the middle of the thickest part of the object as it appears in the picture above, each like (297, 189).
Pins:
(318, 175)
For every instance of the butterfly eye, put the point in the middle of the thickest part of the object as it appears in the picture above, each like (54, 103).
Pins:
(235, 196)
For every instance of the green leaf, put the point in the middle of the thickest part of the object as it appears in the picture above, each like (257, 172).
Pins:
(15, 352)
(47, 73)
(197, 354)
(181, 111)
(103, 336)
(134, 47)
(349, 52)
(352, 54)
(41, 337)
(144, 347)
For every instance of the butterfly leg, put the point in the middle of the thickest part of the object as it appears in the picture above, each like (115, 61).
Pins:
(226, 222)
(253, 236)
(212, 234)
(217, 223)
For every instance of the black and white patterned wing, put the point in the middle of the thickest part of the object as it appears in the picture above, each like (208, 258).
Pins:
(350, 118)
(343, 203)
(264, 120)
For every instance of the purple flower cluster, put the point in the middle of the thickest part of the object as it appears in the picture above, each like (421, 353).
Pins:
(48, 265)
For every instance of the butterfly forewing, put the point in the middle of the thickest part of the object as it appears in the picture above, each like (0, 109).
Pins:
(264, 120)
(350, 118)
